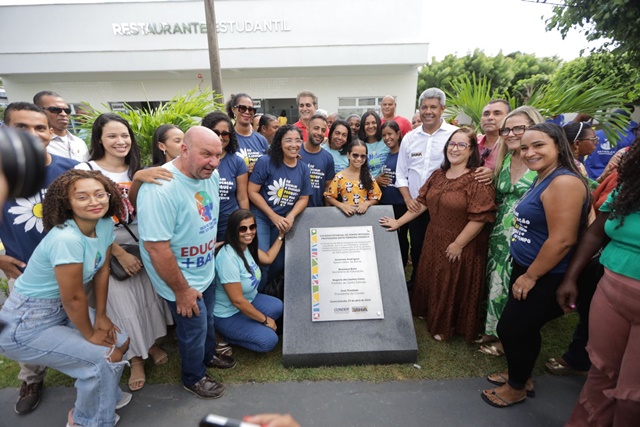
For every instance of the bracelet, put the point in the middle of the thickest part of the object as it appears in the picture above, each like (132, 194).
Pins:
(281, 238)
(266, 319)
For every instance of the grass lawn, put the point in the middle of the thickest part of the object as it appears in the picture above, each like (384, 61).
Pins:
(437, 360)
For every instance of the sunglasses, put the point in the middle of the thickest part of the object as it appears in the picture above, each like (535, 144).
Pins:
(359, 156)
(243, 109)
(223, 134)
(58, 110)
(244, 228)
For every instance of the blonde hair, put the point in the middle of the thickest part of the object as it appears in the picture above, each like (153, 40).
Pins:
(530, 114)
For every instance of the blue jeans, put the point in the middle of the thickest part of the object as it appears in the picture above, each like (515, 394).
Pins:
(267, 234)
(39, 332)
(245, 332)
(196, 337)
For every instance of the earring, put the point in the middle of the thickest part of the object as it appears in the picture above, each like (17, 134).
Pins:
(164, 152)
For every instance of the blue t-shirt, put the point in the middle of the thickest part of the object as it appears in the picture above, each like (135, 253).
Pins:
(530, 229)
(340, 161)
(281, 186)
(251, 147)
(322, 170)
(390, 194)
(597, 161)
(64, 245)
(378, 152)
(230, 168)
(21, 226)
(184, 212)
(231, 269)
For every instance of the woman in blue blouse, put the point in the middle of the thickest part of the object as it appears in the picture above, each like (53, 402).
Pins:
(371, 133)
(242, 315)
(48, 318)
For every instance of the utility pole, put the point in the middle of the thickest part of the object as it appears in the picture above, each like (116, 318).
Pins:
(214, 54)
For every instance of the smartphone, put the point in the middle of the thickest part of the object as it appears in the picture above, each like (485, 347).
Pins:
(218, 421)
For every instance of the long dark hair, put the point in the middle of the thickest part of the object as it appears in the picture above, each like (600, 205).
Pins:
(628, 198)
(474, 159)
(232, 237)
(394, 126)
(362, 134)
(160, 135)
(265, 120)
(132, 159)
(365, 173)
(333, 127)
(575, 131)
(565, 154)
(275, 149)
(212, 119)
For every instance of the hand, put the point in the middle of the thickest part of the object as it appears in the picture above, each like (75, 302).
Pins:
(389, 223)
(103, 323)
(346, 209)
(413, 205)
(271, 323)
(383, 180)
(613, 164)
(11, 266)
(522, 286)
(567, 295)
(290, 220)
(187, 302)
(281, 223)
(130, 263)
(250, 166)
(362, 208)
(218, 244)
(453, 252)
(272, 420)
(153, 175)
(484, 175)
(101, 337)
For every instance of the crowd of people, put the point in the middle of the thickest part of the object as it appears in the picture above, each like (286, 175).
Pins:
(502, 231)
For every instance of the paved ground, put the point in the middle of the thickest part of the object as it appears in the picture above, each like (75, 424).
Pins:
(324, 404)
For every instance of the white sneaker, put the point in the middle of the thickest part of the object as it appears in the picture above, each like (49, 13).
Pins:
(124, 400)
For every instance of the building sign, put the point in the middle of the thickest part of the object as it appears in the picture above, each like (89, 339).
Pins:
(344, 274)
(181, 28)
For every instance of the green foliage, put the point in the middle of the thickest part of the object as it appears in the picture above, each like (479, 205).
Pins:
(183, 111)
(4, 286)
(614, 22)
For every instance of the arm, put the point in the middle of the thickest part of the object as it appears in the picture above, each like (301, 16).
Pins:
(484, 175)
(298, 207)
(166, 265)
(562, 202)
(383, 180)
(10, 265)
(268, 257)
(393, 224)
(242, 196)
(412, 204)
(593, 239)
(346, 209)
(234, 292)
(468, 233)
(257, 200)
(131, 264)
(150, 175)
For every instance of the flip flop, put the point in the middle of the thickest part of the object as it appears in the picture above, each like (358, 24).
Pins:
(503, 378)
(501, 402)
(491, 350)
(560, 367)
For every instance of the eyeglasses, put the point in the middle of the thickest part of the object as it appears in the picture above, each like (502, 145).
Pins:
(243, 109)
(58, 110)
(223, 134)
(592, 139)
(292, 141)
(460, 145)
(517, 130)
(359, 156)
(84, 199)
(244, 228)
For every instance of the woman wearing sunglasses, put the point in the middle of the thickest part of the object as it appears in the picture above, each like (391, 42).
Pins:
(353, 189)
(449, 282)
(242, 315)
(251, 144)
(234, 176)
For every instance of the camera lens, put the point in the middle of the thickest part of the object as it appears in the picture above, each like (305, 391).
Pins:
(22, 162)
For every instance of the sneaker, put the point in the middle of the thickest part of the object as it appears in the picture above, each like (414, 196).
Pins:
(206, 388)
(30, 395)
(124, 400)
(221, 361)
(224, 348)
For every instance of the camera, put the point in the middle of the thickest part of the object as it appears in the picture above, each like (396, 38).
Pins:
(22, 161)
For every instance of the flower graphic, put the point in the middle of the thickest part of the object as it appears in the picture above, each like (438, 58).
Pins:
(29, 211)
(276, 191)
(243, 153)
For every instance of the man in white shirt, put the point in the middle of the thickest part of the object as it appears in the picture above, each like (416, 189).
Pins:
(421, 153)
(63, 143)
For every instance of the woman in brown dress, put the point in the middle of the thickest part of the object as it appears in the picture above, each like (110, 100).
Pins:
(449, 283)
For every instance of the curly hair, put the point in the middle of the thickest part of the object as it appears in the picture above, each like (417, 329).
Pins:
(365, 173)
(275, 149)
(627, 200)
(57, 207)
(132, 159)
(212, 119)
(233, 101)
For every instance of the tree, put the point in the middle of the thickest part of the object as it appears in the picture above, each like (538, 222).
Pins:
(614, 22)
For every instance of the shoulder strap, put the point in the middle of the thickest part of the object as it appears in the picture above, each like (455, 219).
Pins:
(89, 165)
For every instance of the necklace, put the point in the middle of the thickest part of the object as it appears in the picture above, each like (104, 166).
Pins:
(543, 177)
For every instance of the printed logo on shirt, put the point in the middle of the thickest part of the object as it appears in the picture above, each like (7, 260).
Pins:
(248, 155)
(129, 210)
(97, 262)
(520, 229)
(226, 187)
(282, 192)
(317, 176)
(29, 212)
(415, 155)
(256, 275)
(205, 205)
(197, 256)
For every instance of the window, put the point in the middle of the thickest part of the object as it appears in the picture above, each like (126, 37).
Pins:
(359, 105)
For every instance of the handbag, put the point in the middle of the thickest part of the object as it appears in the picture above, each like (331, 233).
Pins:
(115, 268)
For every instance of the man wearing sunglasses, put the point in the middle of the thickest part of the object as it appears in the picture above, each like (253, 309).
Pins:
(63, 143)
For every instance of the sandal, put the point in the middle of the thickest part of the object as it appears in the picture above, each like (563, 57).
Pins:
(560, 367)
(494, 349)
(494, 399)
(486, 339)
(137, 382)
(502, 378)
(158, 355)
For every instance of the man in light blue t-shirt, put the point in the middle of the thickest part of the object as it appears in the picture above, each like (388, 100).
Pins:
(178, 225)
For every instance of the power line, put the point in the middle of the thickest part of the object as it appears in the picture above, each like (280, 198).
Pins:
(546, 3)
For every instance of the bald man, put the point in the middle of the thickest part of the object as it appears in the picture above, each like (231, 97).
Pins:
(178, 223)
(388, 108)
